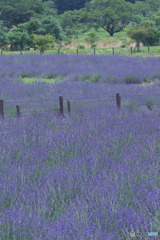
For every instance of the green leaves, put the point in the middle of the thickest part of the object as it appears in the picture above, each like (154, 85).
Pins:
(19, 11)
(110, 15)
(18, 39)
(42, 41)
(3, 35)
(147, 35)
(91, 39)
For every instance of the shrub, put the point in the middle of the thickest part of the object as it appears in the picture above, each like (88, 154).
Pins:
(91, 77)
(148, 80)
(131, 79)
(92, 39)
(26, 74)
(50, 75)
(85, 77)
(80, 46)
(95, 77)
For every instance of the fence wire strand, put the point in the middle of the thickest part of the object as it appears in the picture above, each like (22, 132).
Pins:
(81, 99)
(42, 107)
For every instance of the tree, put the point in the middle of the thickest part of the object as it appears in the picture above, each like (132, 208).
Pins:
(137, 33)
(19, 11)
(3, 35)
(154, 5)
(146, 35)
(50, 9)
(32, 27)
(51, 25)
(152, 36)
(42, 41)
(91, 39)
(44, 26)
(69, 22)
(69, 19)
(141, 8)
(111, 15)
(18, 39)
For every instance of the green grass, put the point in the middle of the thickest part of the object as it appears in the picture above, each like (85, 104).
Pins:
(39, 79)
(105, 44)
(154, 51)
(104, 38)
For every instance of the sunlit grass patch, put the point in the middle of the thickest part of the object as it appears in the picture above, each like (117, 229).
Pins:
(42, 79)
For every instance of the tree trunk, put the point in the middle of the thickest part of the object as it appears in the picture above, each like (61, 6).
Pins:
(137, 45)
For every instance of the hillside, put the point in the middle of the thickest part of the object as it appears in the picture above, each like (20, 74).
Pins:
(104, 41)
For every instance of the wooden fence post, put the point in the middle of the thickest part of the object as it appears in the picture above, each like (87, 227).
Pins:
(61, 105)
(18, 111)
(113, 50)
(21, 52)
(69, 107)
(77, 51)
(118, 101)
(148, 49)
(1, 52)
(94, 50)
(58, 51)
(131, 50)
(1, 109)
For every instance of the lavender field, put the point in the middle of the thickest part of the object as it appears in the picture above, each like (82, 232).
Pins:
(92, 175)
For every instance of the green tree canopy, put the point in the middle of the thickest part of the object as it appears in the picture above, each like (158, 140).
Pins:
(19, 11)
(18, 39)
(46, 25)
(69, 19)
(154, 5)
(91, 39)
(141, 8)
(3, 35)
(111, 15)
(146, 35)
(50, 9)
(42, 41)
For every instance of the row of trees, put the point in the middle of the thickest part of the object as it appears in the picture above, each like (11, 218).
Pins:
(14, 12)
(23, 36)
(23, 22)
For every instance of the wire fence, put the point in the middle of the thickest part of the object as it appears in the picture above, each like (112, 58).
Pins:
(126, 50)
(53, 106)
(82, 99)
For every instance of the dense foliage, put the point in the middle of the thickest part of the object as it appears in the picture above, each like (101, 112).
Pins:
(66, 5)
(68, 18)
(94, 175)
(19, 11)
(111, 15)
